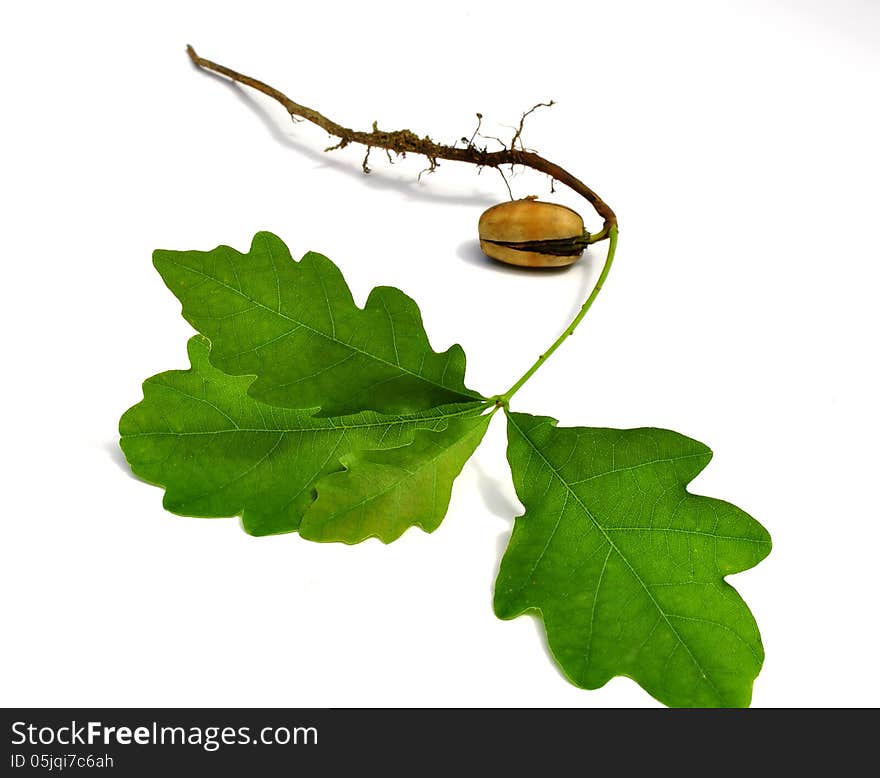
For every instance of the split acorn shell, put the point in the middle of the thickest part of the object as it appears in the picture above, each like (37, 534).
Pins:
(532, 233)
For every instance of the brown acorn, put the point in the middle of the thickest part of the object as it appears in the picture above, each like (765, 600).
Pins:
(532, 233)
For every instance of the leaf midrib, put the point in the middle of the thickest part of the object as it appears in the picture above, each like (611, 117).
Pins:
(391, 421)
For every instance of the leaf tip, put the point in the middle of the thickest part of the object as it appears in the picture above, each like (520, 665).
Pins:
(265, 239)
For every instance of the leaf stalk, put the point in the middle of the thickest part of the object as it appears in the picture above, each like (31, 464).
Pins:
(504, 399)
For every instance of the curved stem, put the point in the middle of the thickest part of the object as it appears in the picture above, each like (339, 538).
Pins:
(504, 399)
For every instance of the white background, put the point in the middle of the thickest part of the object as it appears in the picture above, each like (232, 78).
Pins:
(737, 141)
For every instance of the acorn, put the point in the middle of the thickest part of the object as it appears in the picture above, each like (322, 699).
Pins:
(532, 233)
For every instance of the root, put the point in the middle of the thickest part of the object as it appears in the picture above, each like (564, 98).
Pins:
(402, 141)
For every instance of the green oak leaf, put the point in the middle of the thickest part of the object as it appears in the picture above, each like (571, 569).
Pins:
(626, 567)
(381, 493)
(219, 452)
(295, 326)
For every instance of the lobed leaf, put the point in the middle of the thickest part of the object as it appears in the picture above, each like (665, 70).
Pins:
(219, 452)
(626, 567)
(381, 493)
(295, 326)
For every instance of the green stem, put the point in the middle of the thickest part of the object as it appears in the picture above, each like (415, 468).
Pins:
(601, 235)
(504, 399)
